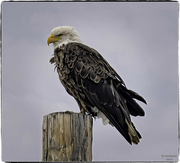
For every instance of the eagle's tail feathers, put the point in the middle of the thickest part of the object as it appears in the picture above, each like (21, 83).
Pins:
(132, 105)
(133, 133)
(134, 108)
(137, 96)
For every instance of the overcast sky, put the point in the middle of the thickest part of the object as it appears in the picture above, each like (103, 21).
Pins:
(140, 40)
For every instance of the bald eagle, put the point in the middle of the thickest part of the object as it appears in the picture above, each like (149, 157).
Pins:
(95, 85)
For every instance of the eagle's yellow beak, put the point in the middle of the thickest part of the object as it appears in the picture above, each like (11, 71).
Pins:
(52, 39)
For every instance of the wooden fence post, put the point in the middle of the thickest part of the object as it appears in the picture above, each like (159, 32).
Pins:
(67, 136)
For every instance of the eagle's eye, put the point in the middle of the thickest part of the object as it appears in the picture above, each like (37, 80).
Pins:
(60, 35)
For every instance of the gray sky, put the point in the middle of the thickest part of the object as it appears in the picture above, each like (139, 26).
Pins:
(140, 40)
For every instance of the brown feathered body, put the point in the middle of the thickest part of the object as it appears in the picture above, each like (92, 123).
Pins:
(96, 86)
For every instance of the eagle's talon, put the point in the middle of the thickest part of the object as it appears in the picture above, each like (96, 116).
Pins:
(82, 111)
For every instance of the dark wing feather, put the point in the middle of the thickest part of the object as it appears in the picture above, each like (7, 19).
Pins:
(103, 87)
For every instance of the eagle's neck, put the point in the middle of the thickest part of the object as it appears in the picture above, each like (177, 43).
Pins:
(66, 41)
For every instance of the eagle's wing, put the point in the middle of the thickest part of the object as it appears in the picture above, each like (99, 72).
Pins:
(103, 88)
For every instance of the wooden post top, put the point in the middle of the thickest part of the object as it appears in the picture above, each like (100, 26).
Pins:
(67, 136)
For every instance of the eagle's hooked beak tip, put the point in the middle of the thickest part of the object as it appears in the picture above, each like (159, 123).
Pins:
(50, 39)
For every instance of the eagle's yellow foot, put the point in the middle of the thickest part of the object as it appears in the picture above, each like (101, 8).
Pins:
(82, 111)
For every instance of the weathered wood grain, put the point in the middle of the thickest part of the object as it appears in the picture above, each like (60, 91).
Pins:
(67, 136)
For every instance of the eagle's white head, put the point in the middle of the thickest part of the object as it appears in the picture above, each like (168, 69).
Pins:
(63, 35)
